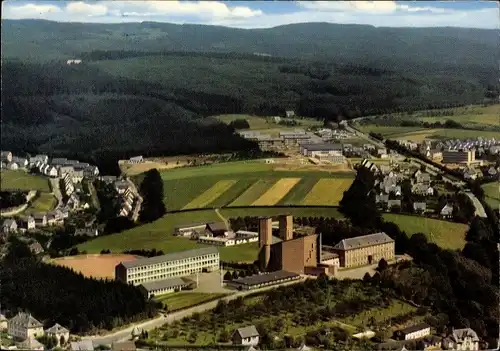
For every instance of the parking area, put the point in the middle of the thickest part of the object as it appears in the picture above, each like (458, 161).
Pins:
(210, 283)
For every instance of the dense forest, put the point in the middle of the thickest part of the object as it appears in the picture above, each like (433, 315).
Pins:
(56, 294)
(463, 285)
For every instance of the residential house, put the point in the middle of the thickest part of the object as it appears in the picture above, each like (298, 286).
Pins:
(59, 332)
(24, 326)
(35, 248)
(461, 339)
(136, 159)
(51, 219)
(422, 189)
(12, 166)
(492, 171)
(419, 207)
(393, 204)
(3, 322)
(86, 231)
(246, 336)
(91, 171)
(43, 159)
(51, 171)
(78, 174)
(27, 223)
(413, 332)
(40, 219)
(9, 226)
(290, 114)
(123, 346)
(6, 156)
(31, 344)
(59, 161)
(21, 161)
(470, 174)
(121, 186)
(381, 152)
(83, 345)
(447, 211)
(63, 170)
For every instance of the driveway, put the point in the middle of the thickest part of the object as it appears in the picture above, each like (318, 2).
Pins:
(477, 204)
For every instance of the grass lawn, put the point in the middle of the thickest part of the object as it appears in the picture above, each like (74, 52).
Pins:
(446, 234)
(211, 194)
(179, 192)
(43, 203)
(275, 193)
(327, 192)
(299, 191)
(20, 180)
(233, 193)
(228, 168)
(380, 314)
(492, 194)
(254, 192)
(184, 299)
(265, 124)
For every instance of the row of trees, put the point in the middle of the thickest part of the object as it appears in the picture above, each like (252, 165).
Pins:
(12, 199)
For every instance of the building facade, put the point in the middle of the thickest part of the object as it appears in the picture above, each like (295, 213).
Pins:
(162, 287)
(24, 326)
(174, 265)
(414, 332)
(365, 250)
(60, 333)
(456, 156)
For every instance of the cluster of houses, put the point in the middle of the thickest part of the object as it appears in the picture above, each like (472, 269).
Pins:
(130, 200)
(455, 339)
(216, 234)
(24, 330)
(388, 192)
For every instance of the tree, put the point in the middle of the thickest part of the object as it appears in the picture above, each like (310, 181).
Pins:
(367, 277)
(235, 275)
(228, 276)
(224, 335)
(382, 265)
(151, 190)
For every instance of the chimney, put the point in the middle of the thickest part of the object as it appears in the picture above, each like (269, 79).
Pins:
(265, 231)
(286, 227)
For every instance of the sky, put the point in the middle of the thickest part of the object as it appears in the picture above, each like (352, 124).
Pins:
(263, 14)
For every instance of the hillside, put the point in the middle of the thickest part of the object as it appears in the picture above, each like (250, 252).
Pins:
(441, 47)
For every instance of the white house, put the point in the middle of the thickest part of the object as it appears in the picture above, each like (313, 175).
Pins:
(59, 332)
(447, 211)
(12, 166)
(136, 159)
(246, 336)
(9, 226)
(24, 326)
(413, 332)
(462, 339)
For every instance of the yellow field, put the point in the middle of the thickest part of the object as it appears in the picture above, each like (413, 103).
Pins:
(276, 192)
(327, 192)
(211, 194)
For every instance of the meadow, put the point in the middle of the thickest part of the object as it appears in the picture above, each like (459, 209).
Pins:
(42, 203)
(492, 194)
(445, 234)
(184, 299)
(159, 234)
(250, 184)
(20, 180)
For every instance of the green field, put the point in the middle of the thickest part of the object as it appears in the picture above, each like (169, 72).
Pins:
(176, 301)
(44, 202)
(242, 184)
(158, 234)
(20, 180)
(468, 116)
(492, 194)
(446, 234)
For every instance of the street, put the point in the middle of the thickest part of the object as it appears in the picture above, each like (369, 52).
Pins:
(477, 204)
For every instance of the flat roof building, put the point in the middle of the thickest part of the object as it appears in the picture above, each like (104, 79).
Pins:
(174, 265)
(161, 287)
(264, 279)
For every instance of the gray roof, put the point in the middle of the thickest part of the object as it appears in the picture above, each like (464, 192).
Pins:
(247, 332)
(84, 345)
(26, 320)
(363, 241)
(322, 147)
(56, 329)
(191, 225)
(164, 284)
(9, 222)
(171, 257)
(216, 226)
(460, 334)
(414, 328)
(419, 205)
(265, 278)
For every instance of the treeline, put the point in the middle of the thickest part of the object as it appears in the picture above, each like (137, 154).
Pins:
(151, 190)
(55, 294)
(10, 199)
(144, 253)
(462, 285)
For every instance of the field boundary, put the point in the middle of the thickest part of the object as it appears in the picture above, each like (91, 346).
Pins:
(244, 207)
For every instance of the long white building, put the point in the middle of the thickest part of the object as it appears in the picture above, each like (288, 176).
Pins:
(174, 265)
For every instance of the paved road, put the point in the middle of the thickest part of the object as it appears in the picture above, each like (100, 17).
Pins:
(477, 204)
(125, 334)
(54, 183)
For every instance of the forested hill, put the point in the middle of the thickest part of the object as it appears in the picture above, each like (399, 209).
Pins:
(434, 48)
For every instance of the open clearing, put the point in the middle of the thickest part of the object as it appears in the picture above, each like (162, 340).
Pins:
(492, 194)
(446, 234)
(43, 203)
(159, 234)
(276, 192)
(211, 194)
(176, 301)
(20, 180)
(327, 192)
(94, 266)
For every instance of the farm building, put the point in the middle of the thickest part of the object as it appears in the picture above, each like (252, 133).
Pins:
(261, 280)
(161, 287)
(174, 265)
(364, 250)
(189, 229)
